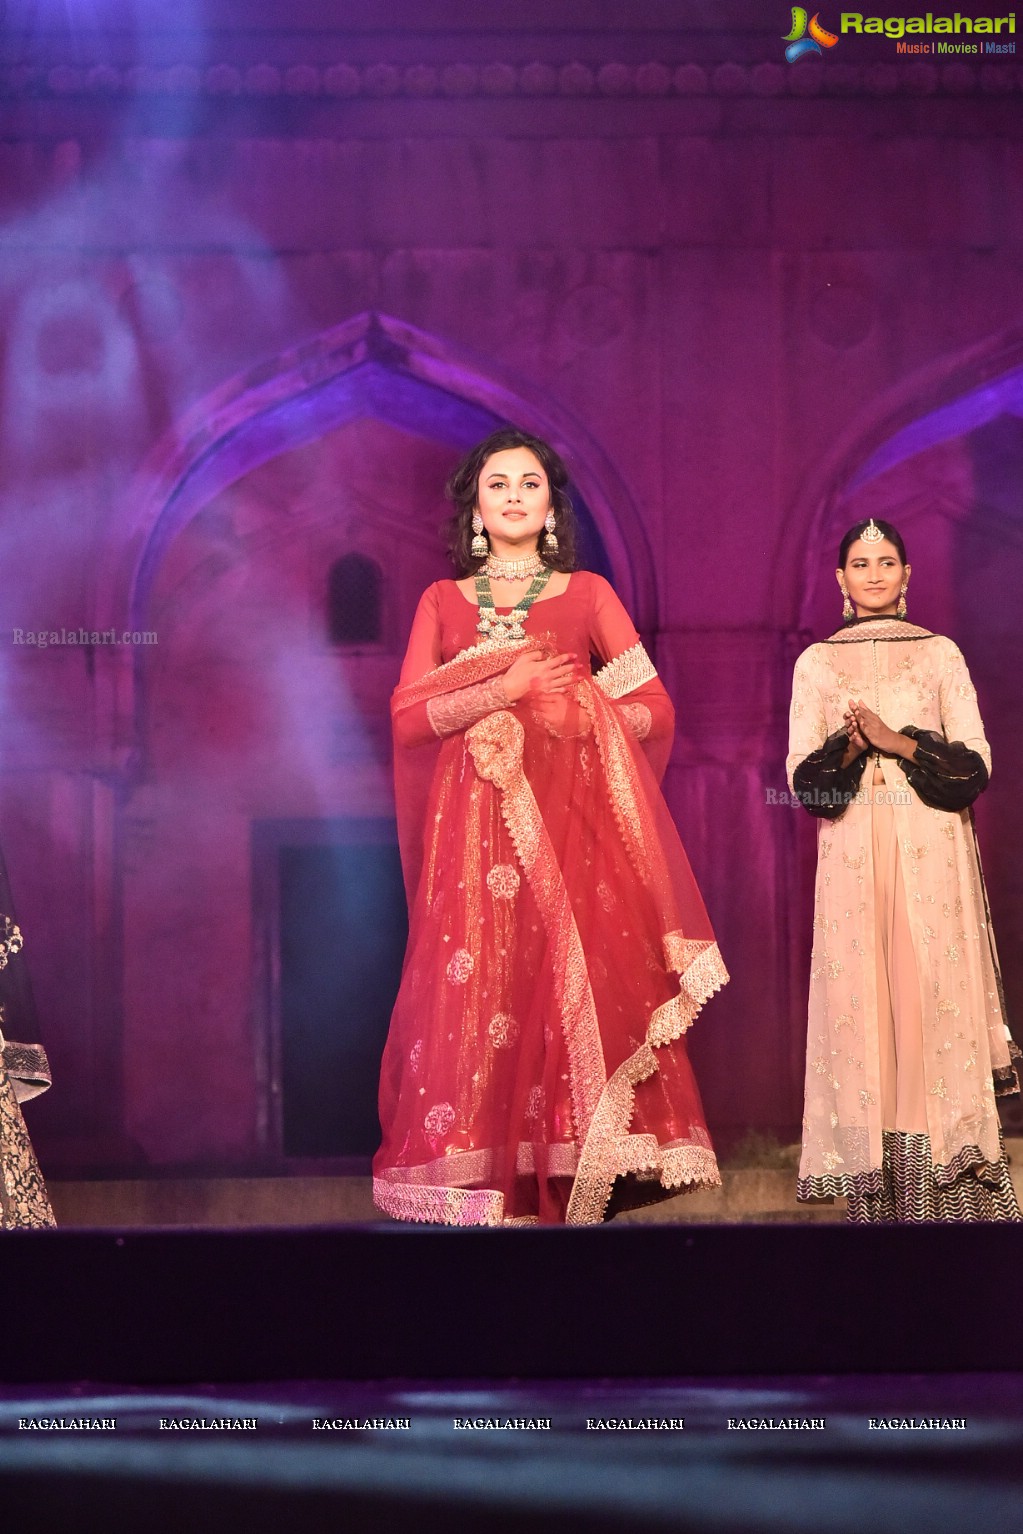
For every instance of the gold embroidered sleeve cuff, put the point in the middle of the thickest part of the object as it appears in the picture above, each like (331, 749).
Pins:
(626, 672)
(455, 711)
(638, 719)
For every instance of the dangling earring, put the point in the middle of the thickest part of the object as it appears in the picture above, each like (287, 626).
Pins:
(550, 542)
(847, 607)
(900, 611)
(479, 548)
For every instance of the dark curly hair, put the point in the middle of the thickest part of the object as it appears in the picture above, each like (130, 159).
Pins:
(859, 528)
(463, 487)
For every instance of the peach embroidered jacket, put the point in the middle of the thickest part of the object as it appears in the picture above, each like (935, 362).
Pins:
(911, 678)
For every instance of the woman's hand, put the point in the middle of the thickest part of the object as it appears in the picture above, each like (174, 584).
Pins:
(876, 733)
(858, 744)
(535, 673)
(562, 715)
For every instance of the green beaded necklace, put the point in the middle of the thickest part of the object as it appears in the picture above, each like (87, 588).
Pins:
(491, 624)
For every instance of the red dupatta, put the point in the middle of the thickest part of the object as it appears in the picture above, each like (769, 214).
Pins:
(558, 952)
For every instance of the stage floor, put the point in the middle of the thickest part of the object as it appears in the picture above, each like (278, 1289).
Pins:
(748, 1195)
(626, 1455)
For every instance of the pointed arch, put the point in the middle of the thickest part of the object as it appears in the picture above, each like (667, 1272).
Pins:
(949, 397)
(371, 365)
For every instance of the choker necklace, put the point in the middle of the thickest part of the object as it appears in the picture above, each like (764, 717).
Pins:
(513, 569)
(491, 624)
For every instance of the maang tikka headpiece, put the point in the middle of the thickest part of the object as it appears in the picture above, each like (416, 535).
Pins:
(872, 533)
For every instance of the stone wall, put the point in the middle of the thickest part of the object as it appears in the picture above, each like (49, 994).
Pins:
(722, 283)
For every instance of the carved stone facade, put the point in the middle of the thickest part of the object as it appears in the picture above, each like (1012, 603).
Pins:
(261, 284)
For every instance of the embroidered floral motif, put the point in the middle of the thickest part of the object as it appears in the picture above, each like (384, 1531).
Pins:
(439, 1119)
(503, 1030)
(415, 1056)
(503, 881)
(460, 966)
(534, 1103)
(11, 941)
(638, 719)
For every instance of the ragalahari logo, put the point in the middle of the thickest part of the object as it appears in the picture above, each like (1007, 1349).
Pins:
(799, 43)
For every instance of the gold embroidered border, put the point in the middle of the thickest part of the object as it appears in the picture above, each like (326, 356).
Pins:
(496, 745)
(598, 1165)
(686, 1164)
(705, 975)
(606, 1148)
(464, 1168)
(422, 1192)
(623, 783)
(626, 672)
(681, 951)
(477, 664)
(439, 1206)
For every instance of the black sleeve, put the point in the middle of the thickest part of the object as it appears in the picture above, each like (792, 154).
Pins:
(822, 784)
(944, 773)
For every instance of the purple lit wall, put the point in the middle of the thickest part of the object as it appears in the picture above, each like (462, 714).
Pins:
(262, 279)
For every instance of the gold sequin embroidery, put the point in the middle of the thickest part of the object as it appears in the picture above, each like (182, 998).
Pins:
(626, 672)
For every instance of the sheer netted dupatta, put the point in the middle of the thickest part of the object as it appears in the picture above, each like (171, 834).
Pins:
(558, 948)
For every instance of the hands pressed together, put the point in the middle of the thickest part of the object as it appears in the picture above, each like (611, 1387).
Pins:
(868, 732)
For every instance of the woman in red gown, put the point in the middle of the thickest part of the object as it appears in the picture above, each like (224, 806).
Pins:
(558, 946)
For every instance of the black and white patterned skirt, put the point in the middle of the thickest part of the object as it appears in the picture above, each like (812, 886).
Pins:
(909, 1191)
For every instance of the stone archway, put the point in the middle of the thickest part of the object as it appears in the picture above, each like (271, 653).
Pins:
(949, 399)
(370, 365)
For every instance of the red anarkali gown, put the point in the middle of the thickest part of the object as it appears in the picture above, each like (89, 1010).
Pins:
(558, 946)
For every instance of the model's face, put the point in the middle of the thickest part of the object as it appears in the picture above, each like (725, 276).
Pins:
(514, 498)
(873, 577)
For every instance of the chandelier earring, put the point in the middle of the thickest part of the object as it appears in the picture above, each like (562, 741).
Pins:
(479, 548)
(900, 611)
(848, 611)
(550, 542)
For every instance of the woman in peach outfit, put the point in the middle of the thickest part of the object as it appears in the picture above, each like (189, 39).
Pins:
(907, 1040)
